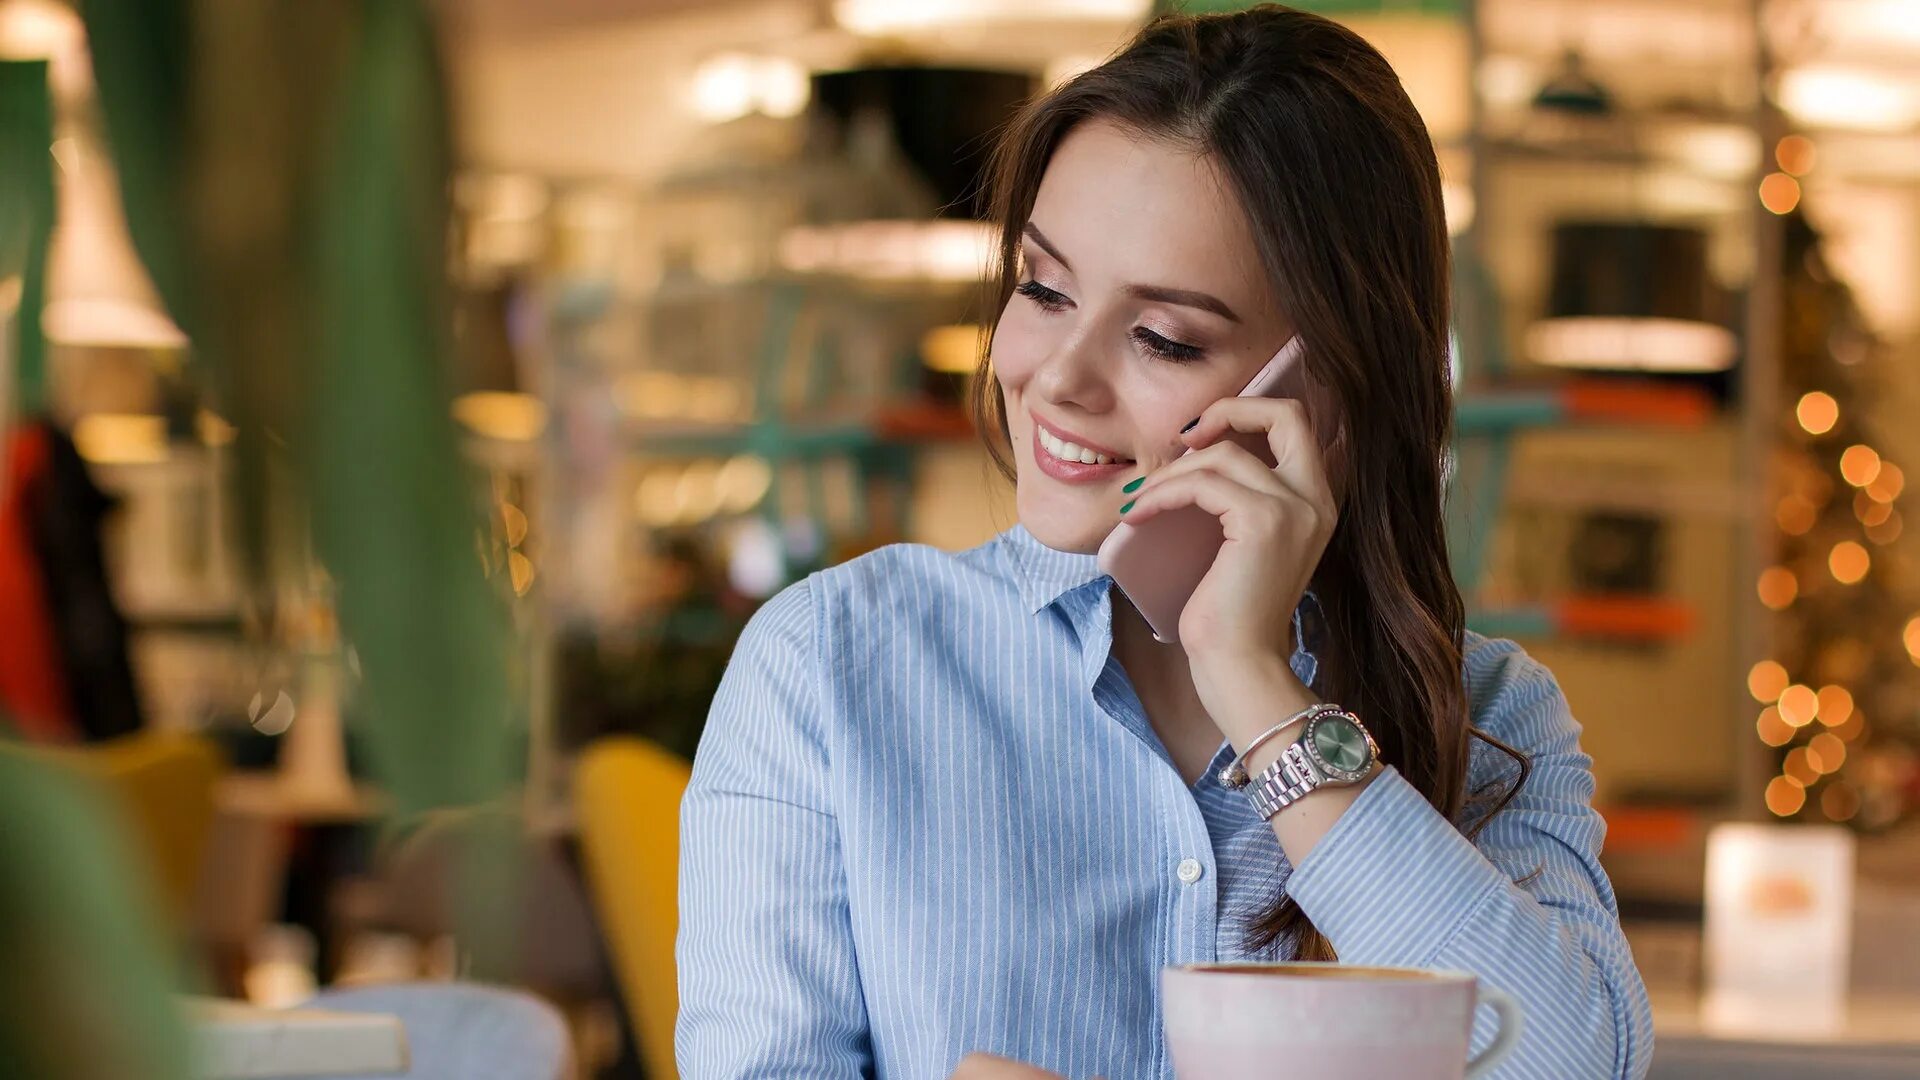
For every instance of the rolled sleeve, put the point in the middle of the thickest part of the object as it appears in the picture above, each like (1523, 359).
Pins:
(1525, 905)
(1441, 878)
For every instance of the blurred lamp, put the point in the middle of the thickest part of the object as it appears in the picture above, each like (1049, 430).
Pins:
(890, 17)
(1570, 89)
(1631, 296)
(1850, 98)
(732, 85)
(98, 293)
(953, 349)
(52, 31)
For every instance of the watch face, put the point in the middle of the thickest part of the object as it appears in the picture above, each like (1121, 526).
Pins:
(1340, 744)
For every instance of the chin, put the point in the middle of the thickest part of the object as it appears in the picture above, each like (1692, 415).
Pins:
(1053, 519)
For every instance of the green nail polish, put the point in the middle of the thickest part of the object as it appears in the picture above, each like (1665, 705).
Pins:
(1127, 507)
(1134, 484)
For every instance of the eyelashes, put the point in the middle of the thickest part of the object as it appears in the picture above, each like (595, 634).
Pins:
(1178, 352)
(1048, 299)
(1167, 349)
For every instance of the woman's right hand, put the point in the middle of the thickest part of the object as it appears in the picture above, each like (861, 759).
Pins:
(989, 1067)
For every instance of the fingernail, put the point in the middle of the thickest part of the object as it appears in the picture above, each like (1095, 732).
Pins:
(1127, 507)
(1191, 424)
(1134, 484)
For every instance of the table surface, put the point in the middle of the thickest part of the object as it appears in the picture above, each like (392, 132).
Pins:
(235, 1040)
(268, 794)
(1880, 1022)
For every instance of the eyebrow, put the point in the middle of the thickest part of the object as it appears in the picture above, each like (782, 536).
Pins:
(1164, 294)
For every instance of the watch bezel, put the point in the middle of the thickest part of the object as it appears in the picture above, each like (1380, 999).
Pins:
(1333, 773)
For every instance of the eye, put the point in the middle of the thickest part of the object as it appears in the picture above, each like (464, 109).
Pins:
(1048, 299)
(1177, 351)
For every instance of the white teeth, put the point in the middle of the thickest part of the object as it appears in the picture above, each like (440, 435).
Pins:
(1067, 451)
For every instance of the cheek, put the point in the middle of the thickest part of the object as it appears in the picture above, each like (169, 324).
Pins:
(1019, 345)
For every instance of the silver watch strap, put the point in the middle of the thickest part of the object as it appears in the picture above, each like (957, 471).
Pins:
(1289, 779)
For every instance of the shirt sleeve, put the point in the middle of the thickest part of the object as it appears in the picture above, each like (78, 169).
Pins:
(768, 983)
(1525, 906)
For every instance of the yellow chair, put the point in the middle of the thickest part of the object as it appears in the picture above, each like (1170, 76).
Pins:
(627, 793)
(163, 787)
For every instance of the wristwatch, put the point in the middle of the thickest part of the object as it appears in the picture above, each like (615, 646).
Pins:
(1333, 751)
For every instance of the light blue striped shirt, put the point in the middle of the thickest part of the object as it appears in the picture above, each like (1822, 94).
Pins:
(929, 816)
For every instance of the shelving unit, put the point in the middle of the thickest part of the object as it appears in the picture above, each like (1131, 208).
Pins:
(1673, 458)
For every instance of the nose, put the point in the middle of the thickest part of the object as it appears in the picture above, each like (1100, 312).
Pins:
(1075, 374)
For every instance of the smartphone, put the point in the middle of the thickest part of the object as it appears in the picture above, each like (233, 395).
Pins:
(1159, 563)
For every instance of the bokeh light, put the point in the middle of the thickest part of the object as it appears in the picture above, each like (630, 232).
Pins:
(1869, 510)
(1885, 532)
(1778, 587)
(1799, 704)
(1767, 680)
(1817, 412)
(1836, 704)
(1859, 465)
(1795, 155)
(1849, 562)
(1772, 730)
(1784, 797)
(1799, 767)
(1779, 193)
(1888, 482)
(1826, 752)
(1795, 515)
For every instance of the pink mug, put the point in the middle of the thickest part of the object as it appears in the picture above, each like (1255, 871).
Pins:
(1306, 1021)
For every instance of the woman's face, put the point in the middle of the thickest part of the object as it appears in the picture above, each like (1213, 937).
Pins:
(1142, 302)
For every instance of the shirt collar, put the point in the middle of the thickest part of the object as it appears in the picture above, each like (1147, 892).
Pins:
(1046, 574)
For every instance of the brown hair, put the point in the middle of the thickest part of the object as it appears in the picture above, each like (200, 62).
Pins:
(1336, 171)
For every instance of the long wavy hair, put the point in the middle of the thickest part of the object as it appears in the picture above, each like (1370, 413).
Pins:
(1337, 174)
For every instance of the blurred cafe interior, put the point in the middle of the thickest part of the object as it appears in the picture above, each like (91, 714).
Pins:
(408, 403)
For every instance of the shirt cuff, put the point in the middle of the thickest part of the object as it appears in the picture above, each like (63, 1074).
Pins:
(1392, 881)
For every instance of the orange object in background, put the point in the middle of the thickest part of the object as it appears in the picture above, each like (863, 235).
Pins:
(627, 792)
(162, 787)
(33, 689)
(1638, 402)
(1625, 616)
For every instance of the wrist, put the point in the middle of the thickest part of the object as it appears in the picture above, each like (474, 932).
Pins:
(1250, 697)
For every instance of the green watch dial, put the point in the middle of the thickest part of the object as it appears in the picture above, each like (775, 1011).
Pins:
(1341, 744)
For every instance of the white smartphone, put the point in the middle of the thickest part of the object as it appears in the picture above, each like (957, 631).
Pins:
(1160, 562)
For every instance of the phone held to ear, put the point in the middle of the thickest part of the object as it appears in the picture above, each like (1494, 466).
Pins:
(1159, 563)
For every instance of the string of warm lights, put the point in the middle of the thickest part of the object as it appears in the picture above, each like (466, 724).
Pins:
(1821, 731)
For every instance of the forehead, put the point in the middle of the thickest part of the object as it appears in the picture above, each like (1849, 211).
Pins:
(1125, 208)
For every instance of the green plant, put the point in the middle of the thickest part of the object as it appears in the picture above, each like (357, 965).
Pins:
(284, 167)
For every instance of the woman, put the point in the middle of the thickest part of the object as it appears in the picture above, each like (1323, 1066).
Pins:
(966, 804)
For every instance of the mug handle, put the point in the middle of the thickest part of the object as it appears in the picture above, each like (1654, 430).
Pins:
(1505, 1038)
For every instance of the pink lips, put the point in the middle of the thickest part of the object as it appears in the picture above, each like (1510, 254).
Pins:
(1073, 472)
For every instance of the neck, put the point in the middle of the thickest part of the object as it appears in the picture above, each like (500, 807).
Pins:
(1159, 671)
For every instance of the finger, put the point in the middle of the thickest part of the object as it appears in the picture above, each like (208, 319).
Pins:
(1229, 459)
(1288, 430)
(1244, 513)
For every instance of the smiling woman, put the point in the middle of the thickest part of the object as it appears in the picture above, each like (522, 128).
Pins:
(955, 809)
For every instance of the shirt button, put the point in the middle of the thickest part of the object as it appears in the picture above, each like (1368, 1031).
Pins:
(1189, 870)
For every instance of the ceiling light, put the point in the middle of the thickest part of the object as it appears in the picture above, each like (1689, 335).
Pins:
(1832, 96)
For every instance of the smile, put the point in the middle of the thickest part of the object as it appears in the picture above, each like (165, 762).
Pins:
(1064, 459)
